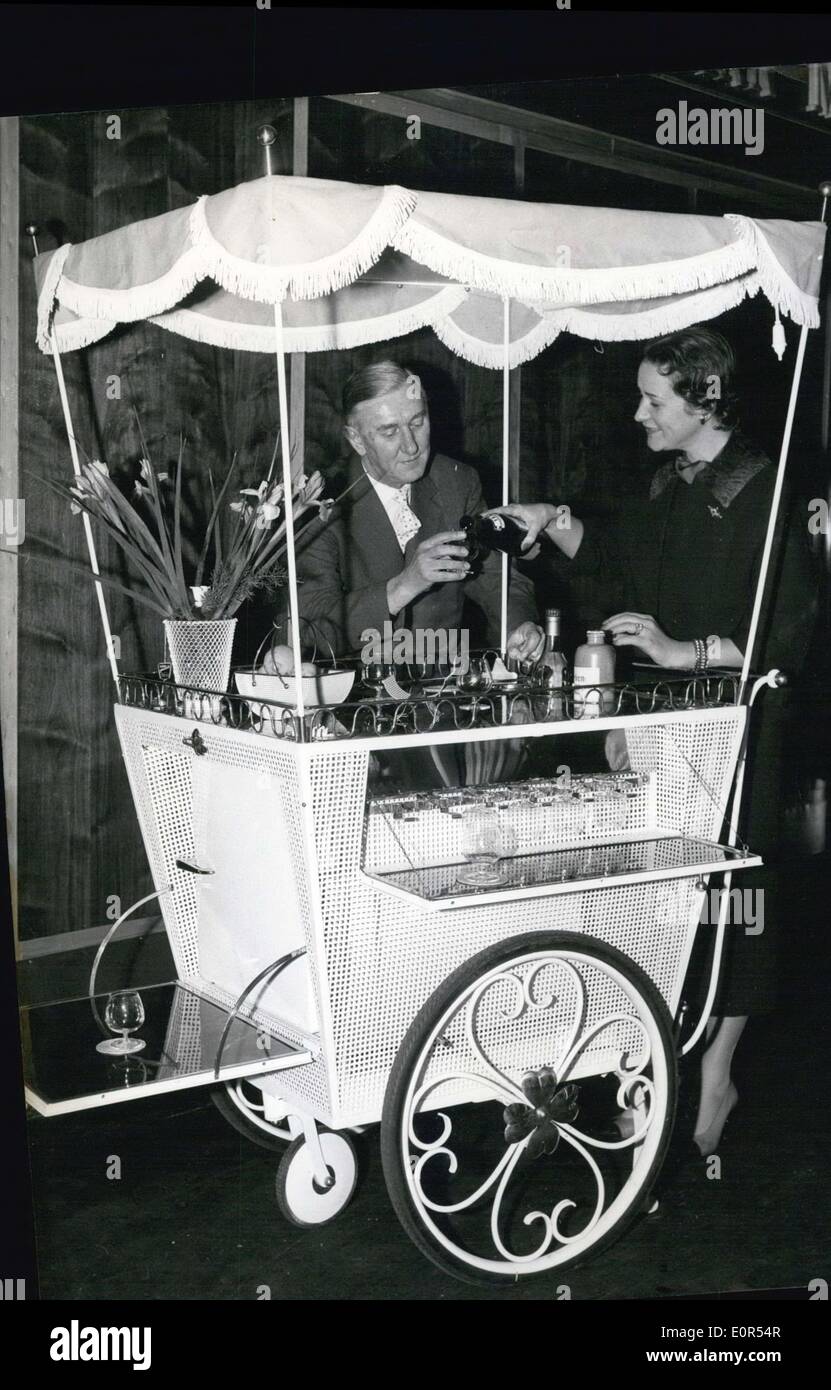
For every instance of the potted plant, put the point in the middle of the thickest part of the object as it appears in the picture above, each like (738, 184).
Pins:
(199, 616)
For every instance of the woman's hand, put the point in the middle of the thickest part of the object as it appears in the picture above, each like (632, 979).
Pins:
(534, 516)
(617, 753)
(641, 630)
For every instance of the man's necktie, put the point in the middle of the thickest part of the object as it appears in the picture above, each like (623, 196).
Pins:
(404, 520)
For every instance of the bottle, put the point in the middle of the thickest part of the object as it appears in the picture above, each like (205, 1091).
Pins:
(594, 664)
(551, 672)
(484, 533)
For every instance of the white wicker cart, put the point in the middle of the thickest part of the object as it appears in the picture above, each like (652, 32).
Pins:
(319, 924)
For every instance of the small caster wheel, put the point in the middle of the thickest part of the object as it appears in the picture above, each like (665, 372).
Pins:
(301, 1199)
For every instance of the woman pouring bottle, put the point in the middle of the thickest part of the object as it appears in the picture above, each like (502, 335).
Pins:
(680, 566)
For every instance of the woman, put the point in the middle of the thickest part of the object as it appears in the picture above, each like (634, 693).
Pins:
(681, 564)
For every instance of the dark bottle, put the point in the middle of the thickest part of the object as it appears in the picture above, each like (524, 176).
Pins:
(484, 533)
(551, 672)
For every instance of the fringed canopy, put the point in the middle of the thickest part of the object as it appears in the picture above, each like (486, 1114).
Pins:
(352, 264)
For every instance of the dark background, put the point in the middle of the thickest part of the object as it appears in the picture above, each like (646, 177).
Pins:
(79, 841)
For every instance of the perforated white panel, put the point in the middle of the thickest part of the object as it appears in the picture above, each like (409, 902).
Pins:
(375, 959)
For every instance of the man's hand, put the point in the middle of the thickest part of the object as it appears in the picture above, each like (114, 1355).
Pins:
(525, 642)
(641, 630)
(441, 559)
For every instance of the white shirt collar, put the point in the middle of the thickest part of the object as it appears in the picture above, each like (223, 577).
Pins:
(387, 493)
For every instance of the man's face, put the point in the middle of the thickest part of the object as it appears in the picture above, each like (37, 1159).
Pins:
(669, 422)
(392, 435)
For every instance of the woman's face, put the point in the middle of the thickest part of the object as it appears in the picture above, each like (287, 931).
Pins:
(668, 421)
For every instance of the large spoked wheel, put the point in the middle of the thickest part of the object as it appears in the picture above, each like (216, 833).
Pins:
(241, 1103)
(498, 1137)
(301, 1198)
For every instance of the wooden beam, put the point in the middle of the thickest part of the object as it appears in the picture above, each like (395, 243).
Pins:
(297, 362)
(483, 119)
(9, 478)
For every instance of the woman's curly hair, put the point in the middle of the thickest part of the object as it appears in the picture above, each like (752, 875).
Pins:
(702, 367)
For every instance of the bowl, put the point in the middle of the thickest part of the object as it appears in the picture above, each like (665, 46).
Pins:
(324, 688)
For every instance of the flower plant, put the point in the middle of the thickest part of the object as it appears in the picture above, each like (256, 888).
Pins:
(147, 527)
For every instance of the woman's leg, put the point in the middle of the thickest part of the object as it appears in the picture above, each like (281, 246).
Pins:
(718, 1093)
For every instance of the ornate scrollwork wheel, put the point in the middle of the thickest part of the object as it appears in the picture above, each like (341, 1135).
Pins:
(241, 1103)
(498, 1137)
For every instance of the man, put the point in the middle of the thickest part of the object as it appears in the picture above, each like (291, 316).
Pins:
(392, 551)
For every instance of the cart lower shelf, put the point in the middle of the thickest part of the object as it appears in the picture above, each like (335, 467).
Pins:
(182, 1029)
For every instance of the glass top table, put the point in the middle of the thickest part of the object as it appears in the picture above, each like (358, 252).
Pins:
(566, 870)
(181, 1032)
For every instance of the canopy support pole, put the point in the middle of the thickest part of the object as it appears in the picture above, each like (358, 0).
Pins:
(288, 494)
(506, 449)
(774, 512)
(76, 468)
(735, 805)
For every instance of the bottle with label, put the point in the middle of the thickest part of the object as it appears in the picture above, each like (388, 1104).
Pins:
(551, 673)
(484, 533)
(594, 665)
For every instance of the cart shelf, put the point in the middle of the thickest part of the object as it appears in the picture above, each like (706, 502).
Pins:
(182, 1030)
(567, 870)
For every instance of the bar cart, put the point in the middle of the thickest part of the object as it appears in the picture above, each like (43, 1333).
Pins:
(341, 960)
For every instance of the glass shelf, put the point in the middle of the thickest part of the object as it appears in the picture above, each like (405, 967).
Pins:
(182, 1030)
(651, 859)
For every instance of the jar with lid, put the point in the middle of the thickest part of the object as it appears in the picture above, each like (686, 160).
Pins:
(594, 665)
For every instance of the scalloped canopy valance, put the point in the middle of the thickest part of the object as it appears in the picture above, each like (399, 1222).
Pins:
(352, 264)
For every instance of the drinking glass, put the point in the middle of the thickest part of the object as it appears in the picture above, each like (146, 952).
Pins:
(124, 1013)
(373, 675)
(485, 839)
(477, 678)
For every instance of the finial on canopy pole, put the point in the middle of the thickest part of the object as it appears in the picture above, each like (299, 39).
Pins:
(32, 230)
(266, 136)
(825, 194)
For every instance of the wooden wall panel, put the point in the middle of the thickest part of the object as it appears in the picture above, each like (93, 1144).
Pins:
(79, 841)
(57, 636)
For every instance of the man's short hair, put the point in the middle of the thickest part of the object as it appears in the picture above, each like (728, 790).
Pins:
(378, 379)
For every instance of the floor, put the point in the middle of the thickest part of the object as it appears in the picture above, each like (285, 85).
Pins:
(193, 1216)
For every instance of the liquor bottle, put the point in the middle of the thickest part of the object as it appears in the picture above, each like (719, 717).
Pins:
(594, 665)
(484, 533)
(551, 672)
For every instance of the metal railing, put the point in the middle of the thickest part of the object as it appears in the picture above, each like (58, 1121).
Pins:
(448, 709)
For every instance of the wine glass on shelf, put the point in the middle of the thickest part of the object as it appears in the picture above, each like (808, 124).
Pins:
(124, 1013)
(486, 838)
(373, 675)
(476, 679)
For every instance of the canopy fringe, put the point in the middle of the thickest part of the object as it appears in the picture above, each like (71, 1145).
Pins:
(588, 286)
(783, 293)
(244, 337)
(268, 284)
(607, 328)
(140, 302)
(48, 295)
